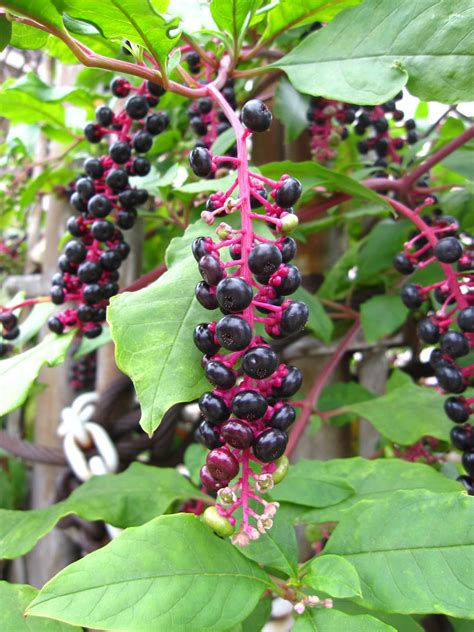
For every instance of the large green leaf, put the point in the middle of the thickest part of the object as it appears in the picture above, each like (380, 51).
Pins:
(5, 32)
(407, 414)
(232, 15)
(376, 254)
(257, 619)
(319, 322)
(371, 479)
(18, 373)
(369, 52)
(152, 330)
(332, 575)
(133, 504)
(381, 316)
(317, 620)
(172, 573)
(14, 598)
(413, 552)
(290, 107)
(44, 11)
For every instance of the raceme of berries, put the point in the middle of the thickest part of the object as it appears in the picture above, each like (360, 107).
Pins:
(106, 204)
(207, 120)
(327, 125)
(449, 322)
(82, 373)
(248, 278)
(9, 329)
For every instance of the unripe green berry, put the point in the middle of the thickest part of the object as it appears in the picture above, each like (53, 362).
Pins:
(217, 523)
(281, 470)
(289, 223)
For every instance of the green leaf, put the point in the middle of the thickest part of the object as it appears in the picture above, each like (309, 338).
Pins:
(162, 317)
(33, 323)
(194, 459)
(135, 20)
(232, 16)
(27, 37)
(337, 282)
(311, 174)
(204, 186)
(277, 548)
(5, 32)
(223, 142)
(290, 107)
(460, 625)
(133, 505)
(14, 598)
(258, 618)
(319, 322)
(376, 253)
(88, 345)
(371, 479)
(401, 622)
(178, 575)
(44, 12)
(332, 575)
(381, 316)
(18, 373)
(369, 52)
(397, 417)
(413, 552)
(321, 620)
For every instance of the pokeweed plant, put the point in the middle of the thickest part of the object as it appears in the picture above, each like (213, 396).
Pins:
(390, 536)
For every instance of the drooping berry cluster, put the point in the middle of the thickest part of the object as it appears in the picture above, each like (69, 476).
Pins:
(450, 326)
(9, 329)
(107, 203)
(83, 372)
(208, 121)
(246, 415)
(327, 125)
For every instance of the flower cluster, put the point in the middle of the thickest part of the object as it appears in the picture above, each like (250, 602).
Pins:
(107, 205)
(248, 277)
(449, 323)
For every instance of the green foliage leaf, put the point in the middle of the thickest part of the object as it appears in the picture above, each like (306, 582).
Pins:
(88, 345)
(381, 316)
(232, 16)
(369, 52)
(376, 253)
(162, 317)
(33, 322)
(319, 620)
(407, 414)
(14, 598)
(319, 322)
(18, 373)
(339, 395)
(257, 619)
(332, 575)
(276, 549)
(290, 108)
(133, 505)
(178, 575)
(27, 37)
(405, 548)
(44, 12)
(223, 142)
(5, 32)
(371, 479)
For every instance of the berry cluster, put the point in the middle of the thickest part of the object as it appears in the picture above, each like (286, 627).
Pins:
(83, 372)
(207, 120)
(9, 329)
(327, 125)
(246, 415)
(107, 203)
(450, 326)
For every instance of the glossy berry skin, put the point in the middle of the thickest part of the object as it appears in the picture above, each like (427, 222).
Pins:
(456, 410)
(290, 283)
(75, 251)
(259, 362)
(102, 230)
(428, 331)
(220, 375)
(234, 294)
(466, 319)
(136, 107)
(110, 260)
(205, 297)
(85, 187)
(211, 269)
(156, 123)
(233, 333)
(120, 87)
(209, 481)
(213, 408)
(8, 320)
(256, 116)
(288, 249)
(117, 179)
(468, 462)
(454, 344)
(89, 272)
(288, 193)
(290, 383)
(99, 206)
(104, 115)
(450, 379)
(265, 259)
(200, 162)
(462, 437)
(120, 152)
(57, 295)
(402, 264)
(11, 334)
(283, 417)
(92, 133)
(200, 248)
(142, 142)
(209, 435)
(222, 464)
(93, 167)
(294, 318)
(468, 484)
(155, 89)
(55, 325)
(411, 296)
(249, 405)
(237, 434)
(204, 340)
(448, 250)
(270, 445)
